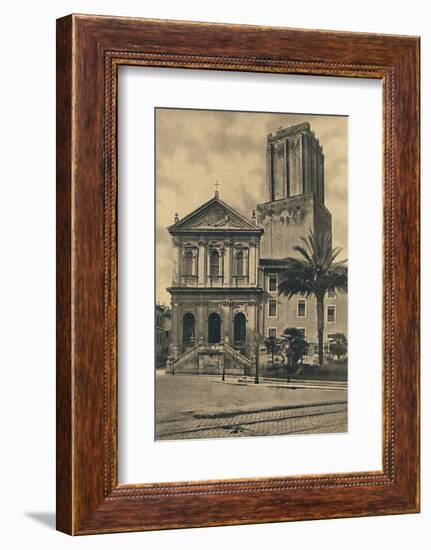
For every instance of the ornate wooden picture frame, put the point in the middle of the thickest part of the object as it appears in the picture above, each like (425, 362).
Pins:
(89, 51)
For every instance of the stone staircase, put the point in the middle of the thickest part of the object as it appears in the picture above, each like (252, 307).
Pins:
(210, 359)
(237, 357)
(188, 357)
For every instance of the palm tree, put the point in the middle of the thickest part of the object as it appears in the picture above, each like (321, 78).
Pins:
(338, 344)
(315, 273)
(271, 347)
(296, 346)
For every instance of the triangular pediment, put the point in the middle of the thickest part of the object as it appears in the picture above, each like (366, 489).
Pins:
(214, 215)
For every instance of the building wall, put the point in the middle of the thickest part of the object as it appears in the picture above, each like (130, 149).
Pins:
(198, 290)
(286, 221)
(322, 218)
(287, 314)
(226, 304)
(200, 247)
(162, 334)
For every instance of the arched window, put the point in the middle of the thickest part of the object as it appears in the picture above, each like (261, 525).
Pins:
(214, 263)
(188, 263)
(239, 263)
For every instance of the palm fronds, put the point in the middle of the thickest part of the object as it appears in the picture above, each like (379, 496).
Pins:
(314, 273)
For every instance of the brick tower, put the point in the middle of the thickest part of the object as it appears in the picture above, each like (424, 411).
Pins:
(296, 191)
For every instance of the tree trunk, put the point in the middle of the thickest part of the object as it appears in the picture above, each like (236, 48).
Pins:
(320, 326)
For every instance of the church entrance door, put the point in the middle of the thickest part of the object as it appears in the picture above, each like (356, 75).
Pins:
(239, 332)
(214, 328)
(188, 329)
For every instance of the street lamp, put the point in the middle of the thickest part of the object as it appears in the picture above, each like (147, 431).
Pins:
(256, 374)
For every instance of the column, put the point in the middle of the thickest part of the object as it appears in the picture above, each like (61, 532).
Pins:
(225, 322)
(207, 264)
(252, 264)
(205, 321)
(256, 263)
(175, 257)
(269, 172)
(279, 168)
(200, 323)
(307, 185)
(174, 331)
(251, 328)
(286, 168)
(322, 178)
(201, 264)
(227, 264)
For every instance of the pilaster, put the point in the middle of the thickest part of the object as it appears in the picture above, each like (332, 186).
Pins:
(252, 264)
(175, 248)
(227, 264)
(201, 264)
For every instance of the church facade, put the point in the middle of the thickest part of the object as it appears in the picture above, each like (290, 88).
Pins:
(226, 267)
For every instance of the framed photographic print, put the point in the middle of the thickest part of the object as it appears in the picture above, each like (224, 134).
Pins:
(237, 274)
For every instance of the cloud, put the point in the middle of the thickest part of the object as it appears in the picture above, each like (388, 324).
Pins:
(195, 148)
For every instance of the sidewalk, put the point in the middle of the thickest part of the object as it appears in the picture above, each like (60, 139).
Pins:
(293, 384)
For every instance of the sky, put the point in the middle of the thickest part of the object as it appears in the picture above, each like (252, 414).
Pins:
(196, 148)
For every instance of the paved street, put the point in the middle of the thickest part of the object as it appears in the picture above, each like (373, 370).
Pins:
(193, 406)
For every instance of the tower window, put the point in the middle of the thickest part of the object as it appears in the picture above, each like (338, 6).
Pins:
(331, 314)
(301, 308)
(272, 308)
(272, 283)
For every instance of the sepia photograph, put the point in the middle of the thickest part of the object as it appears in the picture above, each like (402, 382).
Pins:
(237, 273)
(251, 306)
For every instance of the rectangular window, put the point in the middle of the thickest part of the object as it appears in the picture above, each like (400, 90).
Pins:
(272, 283)
(214, 263)
(330, 314)
(302, 308)
(272, 333)
(272, 308)
(188, 263)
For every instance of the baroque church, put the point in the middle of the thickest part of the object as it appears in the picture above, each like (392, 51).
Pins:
(224, 292)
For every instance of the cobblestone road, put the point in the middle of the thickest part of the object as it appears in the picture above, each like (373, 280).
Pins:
(326, 418)
(197, 407)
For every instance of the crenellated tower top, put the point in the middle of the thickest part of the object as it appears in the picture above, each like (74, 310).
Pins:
(295, 163)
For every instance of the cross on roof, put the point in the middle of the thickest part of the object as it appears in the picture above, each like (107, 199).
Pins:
(216, 186)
